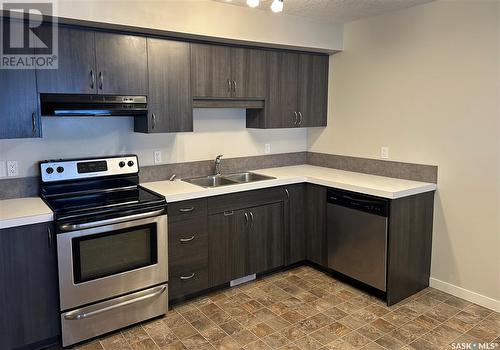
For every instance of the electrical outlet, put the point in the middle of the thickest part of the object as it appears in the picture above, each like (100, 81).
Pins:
(384, 152)
(12, 168)
(3, 170)
(267, 148)
(157, 157)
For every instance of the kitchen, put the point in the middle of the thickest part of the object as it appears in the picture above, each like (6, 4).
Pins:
(210, 175)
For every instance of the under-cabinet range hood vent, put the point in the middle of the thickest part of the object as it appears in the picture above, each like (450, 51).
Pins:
(69, 105)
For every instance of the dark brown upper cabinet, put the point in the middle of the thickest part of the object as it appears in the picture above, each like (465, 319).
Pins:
(249, 73)
(227, 72)
(313, 90)
(169, 99)
(97, 62)
(76, 72)
(18, 104)
(211, 71)
(297, 92)
(121, 62)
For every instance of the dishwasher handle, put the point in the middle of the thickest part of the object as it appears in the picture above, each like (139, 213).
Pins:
(370, 204)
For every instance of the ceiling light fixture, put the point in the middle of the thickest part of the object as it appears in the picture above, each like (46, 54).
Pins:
(277, 6)
(253, 3)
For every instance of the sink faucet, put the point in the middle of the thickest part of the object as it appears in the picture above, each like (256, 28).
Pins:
(218, 161)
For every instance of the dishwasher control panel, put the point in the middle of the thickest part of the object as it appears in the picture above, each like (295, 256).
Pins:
(363, 202)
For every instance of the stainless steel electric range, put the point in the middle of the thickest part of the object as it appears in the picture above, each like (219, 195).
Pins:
(111, 244)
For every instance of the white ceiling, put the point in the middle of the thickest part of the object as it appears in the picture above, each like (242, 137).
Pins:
(336, 11)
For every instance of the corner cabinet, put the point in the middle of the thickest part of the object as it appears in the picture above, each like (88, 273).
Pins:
(169, 100)
(297, 92)
(30, 291)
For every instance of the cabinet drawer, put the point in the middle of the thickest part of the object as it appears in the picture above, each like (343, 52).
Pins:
(247, 199)
(188, 240)
(187, 209)
(187, 280)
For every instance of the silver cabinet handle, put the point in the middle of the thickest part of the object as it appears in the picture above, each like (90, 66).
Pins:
(234, 85)
(287, 195)
(300, 118)
(246, 219)
(251, 218)
(33, 122)
(49, 233)
(153, 116)
(185, 240)
(229, 85)
(78, 314)
(296, 118)
(187, 277)
(186, 210)
(92, 79)
(228, 212)
(101, 80)
(69, 227)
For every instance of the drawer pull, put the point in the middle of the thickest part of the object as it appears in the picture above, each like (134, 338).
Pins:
(185, 240)
(186, 210)
(187, 277)
(228, 212)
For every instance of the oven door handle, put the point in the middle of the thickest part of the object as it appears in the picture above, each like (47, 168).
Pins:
(78, 314)
(86, 225)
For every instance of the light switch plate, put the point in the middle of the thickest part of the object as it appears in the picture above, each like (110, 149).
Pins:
(384, 152)
(157, 157)
(12, 168)
(3, 169)
(267, 148)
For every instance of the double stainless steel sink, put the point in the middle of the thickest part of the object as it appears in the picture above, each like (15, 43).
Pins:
(226, 180)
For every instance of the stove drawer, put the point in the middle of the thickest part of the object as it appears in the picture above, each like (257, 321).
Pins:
(187, 240)
(188, 279)
(91, 321)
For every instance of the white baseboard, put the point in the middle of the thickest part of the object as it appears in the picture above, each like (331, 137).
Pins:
(466, 294)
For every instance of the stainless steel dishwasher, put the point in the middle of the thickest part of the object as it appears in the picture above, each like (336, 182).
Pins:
(357, 236)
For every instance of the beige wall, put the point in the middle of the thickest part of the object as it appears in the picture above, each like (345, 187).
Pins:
(209, 18)
(425, 82)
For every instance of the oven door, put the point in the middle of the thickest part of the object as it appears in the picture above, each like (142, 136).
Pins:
(99, 262)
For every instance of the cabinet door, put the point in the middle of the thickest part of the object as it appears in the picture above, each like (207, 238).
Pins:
(227, 247)
(121, 62)
(265, 238)
(211, 71)
(170, 101)
(249, 73)
(281, 104)
(18, 104)
(313, 90)
(316, 224)
(76, 67)
(29, 292)
(295, 242)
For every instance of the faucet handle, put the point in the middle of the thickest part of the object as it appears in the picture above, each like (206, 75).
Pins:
(219, 157)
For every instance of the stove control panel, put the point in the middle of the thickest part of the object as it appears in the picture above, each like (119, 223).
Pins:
(75, 169)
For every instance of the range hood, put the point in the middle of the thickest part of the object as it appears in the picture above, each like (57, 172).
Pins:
(62, 105)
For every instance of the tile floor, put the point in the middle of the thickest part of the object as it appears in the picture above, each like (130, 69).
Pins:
(306, 309)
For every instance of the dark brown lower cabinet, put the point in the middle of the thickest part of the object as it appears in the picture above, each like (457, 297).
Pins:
(294, 223)
(265, 238)
(29, 289)
(188, 256)
(315, 210)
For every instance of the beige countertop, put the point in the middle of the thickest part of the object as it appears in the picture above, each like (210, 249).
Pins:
(23, 211)
(381, 186)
